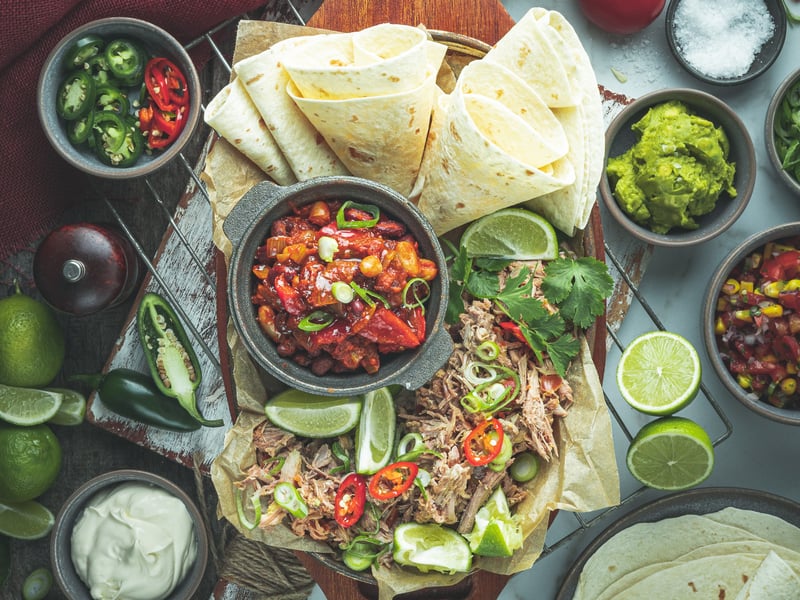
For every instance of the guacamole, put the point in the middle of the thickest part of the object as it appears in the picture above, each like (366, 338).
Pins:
(675, 172)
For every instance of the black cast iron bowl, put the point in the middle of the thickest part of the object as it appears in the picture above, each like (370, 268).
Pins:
(60, 539)
(247, 226)
(769, 130)
(620, 138)
(744, 249)
(761, 62)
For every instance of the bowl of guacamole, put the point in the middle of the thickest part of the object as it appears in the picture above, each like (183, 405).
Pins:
(679, 167)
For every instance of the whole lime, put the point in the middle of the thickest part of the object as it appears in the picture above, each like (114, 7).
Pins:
(31, 342)
(30, 460)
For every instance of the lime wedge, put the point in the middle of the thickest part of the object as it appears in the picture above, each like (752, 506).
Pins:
(495, 532)
(27, 520)
(431, 547)
(27, 406)
(375, 433)
(671, 453)
(511, 233)
(313, 416)
(659, 373)
(73, 407)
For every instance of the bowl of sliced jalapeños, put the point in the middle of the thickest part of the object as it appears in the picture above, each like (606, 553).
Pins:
(782, 131)
(309, 342)
(118, 98)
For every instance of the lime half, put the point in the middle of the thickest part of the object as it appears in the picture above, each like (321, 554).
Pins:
(27, 520)
(671, 453)
(431, 547)
(659, 373)
(511, 233)
(28, 406)
(375, 433)
(313, 416)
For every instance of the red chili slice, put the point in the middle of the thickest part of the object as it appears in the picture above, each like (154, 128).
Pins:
(350, 501)
(166, 84)
(484, 443)
(392, 480)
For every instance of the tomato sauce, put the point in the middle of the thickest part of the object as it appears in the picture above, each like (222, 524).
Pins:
(338, 284)
(758, 323)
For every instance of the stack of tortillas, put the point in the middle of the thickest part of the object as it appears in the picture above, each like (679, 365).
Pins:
(522, 125)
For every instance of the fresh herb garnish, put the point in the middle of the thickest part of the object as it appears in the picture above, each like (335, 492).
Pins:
(576, 287)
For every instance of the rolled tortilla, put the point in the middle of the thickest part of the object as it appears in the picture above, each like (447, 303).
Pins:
(479, 160)
(265, 80)
(233, 115)
(527, 49)
(381, 138)
(378, 61)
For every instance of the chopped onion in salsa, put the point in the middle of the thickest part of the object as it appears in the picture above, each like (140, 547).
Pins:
(758, 323)
(338, 284)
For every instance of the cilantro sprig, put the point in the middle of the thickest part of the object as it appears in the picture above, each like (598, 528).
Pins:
(576, 287)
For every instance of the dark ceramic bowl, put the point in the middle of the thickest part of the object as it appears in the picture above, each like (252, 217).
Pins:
(762, 61)
(620, 137)
(769, 130)
(248, 225)
(60, 540)
(747, 247)
(156, 42)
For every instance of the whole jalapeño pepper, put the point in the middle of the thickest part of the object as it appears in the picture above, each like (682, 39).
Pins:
(172, 361)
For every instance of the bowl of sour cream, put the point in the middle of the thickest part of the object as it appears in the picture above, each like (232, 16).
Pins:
(129, 535)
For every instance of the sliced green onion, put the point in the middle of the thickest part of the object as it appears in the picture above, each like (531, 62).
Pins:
(37, 584)
(362, 551)
(342, 292)
(327, 247)
(477, 373)
(412, 285)
(525, 467)
(255, 500)
(316, 321)
(275, 465)
(422, 481)
(343, 223)
(411, 447)
(494, 394)
(367, 295)
(488, 350)
(288, 498)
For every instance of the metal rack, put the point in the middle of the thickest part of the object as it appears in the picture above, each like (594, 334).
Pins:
(199, 257)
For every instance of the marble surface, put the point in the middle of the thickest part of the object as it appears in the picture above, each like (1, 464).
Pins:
(748, 448)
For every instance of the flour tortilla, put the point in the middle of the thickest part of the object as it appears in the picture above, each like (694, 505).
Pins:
(265, 80)
(234, 116)
(479, 159)
(381, 138)
(528, 50)
(713, 549)
(379, 61)
(774, 580)
(569, 209)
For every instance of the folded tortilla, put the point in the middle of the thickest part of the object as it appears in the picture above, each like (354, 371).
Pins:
(569, 209)
(484, 154)
(265, 80)
(774, 580)
(233, 115)
(538, 57)
(387, 147)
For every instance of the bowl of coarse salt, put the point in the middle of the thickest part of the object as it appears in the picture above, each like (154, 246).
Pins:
(726, 42)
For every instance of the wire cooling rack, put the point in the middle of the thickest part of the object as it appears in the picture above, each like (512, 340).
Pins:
(623, 421)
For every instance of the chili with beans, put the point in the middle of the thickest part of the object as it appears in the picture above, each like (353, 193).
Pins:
(301, 271)
(758, 323)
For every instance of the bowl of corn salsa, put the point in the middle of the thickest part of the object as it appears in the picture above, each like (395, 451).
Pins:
(751, 323)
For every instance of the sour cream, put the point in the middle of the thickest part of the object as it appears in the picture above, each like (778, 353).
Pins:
(133, 542)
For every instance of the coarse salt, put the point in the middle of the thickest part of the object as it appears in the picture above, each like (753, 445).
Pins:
(721, 38)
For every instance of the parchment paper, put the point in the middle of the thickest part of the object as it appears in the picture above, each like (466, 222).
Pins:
(583, 478)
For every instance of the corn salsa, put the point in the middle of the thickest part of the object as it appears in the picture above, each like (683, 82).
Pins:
(758, 323)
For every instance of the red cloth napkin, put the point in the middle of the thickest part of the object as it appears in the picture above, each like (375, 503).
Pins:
(37, 185)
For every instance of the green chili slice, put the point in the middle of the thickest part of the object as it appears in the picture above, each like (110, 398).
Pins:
(288, 498)
(488, 350)
(316, 321)
(525, 467)
(343, 223)
(255, 500)
(340, 453)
